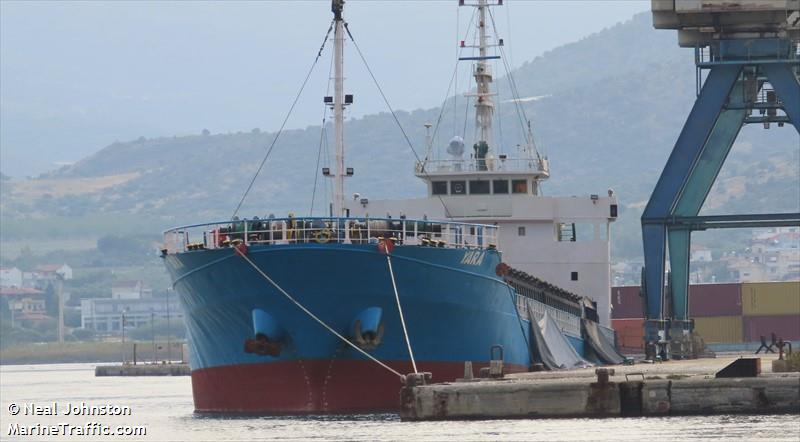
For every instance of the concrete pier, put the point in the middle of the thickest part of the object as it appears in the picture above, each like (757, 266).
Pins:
(143, 370)
(670, 388)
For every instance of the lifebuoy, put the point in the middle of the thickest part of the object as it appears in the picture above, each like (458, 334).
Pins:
(322, 236)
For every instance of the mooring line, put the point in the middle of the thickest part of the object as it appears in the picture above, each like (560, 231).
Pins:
(400, 310)
(313, 316)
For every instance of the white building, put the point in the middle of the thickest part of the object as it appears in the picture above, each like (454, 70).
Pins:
(127, 289)
(43, 275)
(10, 277)
(105, 314)
(700, 254)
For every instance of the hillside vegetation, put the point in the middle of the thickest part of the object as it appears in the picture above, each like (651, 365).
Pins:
(611, 109)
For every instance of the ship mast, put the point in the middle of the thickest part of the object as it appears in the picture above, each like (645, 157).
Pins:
(484, 108)
(337, 6)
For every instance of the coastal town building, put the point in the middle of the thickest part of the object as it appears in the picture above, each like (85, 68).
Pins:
(130, 290)
(10, 277)
(42, 276)
(132, 303)
(24, 304)
(26, 293)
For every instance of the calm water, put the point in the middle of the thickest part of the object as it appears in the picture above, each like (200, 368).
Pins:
(164, 407)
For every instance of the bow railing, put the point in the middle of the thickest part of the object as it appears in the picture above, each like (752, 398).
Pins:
(320, 230)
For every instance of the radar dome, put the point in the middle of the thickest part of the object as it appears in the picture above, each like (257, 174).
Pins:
(456, 146)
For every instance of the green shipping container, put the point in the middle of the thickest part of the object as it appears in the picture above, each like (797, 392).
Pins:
(771, 298)
(719, 328)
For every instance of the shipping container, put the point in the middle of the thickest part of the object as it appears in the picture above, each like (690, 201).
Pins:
(704, 300)
(719, 328)
(771, 298)
(630, 332)
(630, 343)
(628, 326)
(626, 302)
(784, 326)
(715, 300)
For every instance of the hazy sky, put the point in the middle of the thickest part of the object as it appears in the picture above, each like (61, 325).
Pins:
(77, 76)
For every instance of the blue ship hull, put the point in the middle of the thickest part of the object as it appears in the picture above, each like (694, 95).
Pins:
(455, 307)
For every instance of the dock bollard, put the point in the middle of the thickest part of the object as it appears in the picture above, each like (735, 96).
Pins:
(417, 379)
(603, 375)
(604, 396)
(468, 375)
(408, 394)
(496, 369)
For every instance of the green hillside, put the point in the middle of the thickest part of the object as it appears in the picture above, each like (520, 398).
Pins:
(612, 107)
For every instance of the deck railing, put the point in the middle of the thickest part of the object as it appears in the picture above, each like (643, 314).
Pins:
(294, 230)
(529, 165)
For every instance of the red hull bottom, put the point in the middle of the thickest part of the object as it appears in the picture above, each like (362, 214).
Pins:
(311, 386)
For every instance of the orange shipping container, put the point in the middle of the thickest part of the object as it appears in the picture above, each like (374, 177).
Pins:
(630, 342)
(630, 333)
(771, 298)
(719, 328)
(628, 327)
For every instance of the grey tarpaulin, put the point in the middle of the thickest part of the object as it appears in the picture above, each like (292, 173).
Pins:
(562, 351)
(603, 350)
(539, 348)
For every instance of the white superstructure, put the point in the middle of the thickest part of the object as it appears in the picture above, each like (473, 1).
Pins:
(563, 240)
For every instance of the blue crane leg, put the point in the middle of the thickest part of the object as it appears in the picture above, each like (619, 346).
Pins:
(690, 142)
(787, 88)
(710, 163)
(691, 199)
(679, 240)
(654, 238)
(686, 153)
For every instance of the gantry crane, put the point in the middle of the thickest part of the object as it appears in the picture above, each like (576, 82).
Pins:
(747, 60)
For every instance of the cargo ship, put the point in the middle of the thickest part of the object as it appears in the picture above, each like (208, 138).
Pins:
(327, 314)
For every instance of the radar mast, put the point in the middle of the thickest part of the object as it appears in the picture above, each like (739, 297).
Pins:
(339, 102)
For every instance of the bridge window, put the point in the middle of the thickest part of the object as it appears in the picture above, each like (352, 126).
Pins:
(566, 232)
(478, 187)
(500, 186)
(521, 231)
(439, 187)
(519, 186)
(574, 276)
(458, 187)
